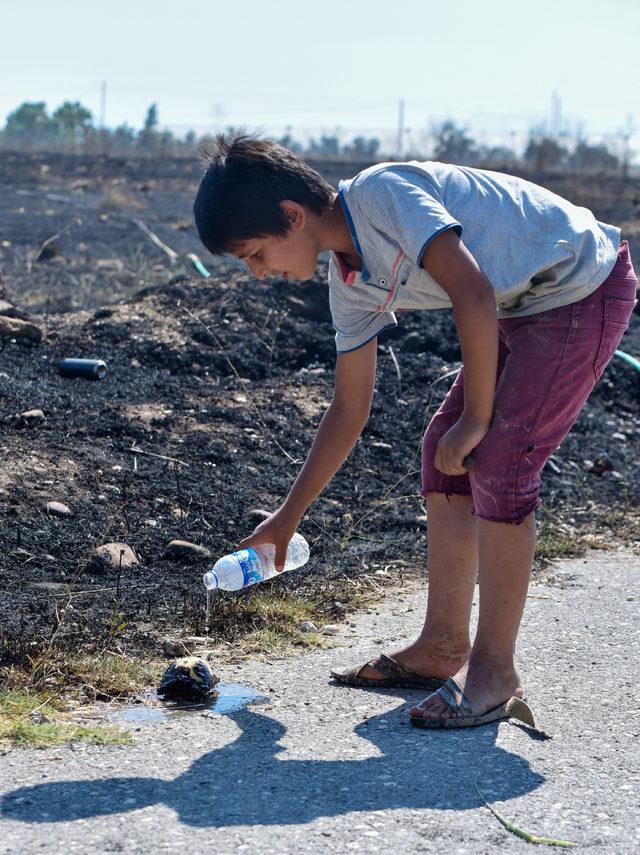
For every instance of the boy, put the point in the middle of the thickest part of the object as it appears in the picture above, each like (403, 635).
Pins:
(541, 294)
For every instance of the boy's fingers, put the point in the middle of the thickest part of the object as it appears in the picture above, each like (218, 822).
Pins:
(280, 560)
(252, 540)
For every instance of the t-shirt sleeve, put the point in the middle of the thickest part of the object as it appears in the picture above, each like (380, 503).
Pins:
(406, 208)
(354, 325)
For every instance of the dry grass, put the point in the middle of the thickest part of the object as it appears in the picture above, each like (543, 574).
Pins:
(554, 544)
(267, 642)
(36, 719)
(117, 199)
(85, 676)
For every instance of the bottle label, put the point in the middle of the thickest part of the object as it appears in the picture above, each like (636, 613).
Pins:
(250, 563)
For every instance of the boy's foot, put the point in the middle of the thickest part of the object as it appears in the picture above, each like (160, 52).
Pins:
(431, 664)
(485, 684)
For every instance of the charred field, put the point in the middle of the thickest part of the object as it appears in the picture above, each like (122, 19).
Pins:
(214, 392)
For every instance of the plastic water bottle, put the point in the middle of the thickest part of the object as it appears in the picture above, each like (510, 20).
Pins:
(254, 564)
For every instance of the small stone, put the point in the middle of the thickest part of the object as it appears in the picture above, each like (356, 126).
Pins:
(330, 629)
(32, 416)
(176, 647)
(308, 626)
(257, 515)
(415, 342)
(601, 465)
(619, 436)
(182, 550)
(10, 311)
(112, 556)
(48, 251)
(57, 509)
(152, 523)
(18, 329)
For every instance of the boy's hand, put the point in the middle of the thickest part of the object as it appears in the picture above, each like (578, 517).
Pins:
(279, 528)
(457, 443)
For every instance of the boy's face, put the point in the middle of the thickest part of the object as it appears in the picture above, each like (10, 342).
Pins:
(293, 256)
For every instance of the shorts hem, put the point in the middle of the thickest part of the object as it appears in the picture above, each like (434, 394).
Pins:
(518, 519)
(456, 491)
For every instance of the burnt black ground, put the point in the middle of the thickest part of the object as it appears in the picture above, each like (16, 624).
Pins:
(242, 431)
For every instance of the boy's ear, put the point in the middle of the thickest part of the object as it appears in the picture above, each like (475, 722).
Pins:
(294, 212)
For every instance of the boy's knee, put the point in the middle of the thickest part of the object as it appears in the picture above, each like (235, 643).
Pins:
(505, 482)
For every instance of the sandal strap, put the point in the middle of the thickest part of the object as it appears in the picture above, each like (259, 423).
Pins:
(448, 698)
(464, 700)
(389, 667)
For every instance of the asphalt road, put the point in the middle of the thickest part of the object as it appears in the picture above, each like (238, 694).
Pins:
(322, 769)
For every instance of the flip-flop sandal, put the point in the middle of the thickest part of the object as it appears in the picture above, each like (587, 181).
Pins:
(512, 708)
(396, 676)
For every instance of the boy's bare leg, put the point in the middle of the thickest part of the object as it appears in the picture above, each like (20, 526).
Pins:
(490, 676)
(452, 535)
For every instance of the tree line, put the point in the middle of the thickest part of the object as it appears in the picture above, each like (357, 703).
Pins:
(71, 128)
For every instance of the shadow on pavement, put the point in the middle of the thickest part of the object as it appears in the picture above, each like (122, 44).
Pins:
(245, 782)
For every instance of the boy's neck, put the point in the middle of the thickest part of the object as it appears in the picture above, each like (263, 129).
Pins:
(334, 235)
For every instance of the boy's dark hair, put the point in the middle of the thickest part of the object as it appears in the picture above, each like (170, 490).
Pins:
(245, 180)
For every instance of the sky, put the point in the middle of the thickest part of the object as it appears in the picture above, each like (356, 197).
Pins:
(333, 65)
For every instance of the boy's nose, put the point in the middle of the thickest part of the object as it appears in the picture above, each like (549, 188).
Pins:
(257, 272)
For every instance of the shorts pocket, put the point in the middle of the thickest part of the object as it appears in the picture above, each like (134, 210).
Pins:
(616, 320)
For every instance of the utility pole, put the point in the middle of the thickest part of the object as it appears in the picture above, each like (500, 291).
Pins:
(400, 144)
(103, 104)
(626, 134)
(556, 115)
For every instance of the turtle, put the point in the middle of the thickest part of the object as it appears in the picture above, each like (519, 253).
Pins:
(189, 678)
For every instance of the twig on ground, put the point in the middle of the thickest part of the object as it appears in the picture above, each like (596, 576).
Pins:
(520, 832)
(173, 255)
(135, 450)
(46, 243)
(175, 472)
(396, 366)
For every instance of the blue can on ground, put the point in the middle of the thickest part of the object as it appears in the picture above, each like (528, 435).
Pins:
(90, 369)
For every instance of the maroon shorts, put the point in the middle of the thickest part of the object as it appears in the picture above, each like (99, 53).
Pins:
(547, 366)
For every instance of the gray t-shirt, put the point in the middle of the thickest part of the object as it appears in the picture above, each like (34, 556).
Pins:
(538, 250)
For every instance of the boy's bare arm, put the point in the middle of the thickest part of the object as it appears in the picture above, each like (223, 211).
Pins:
(337, 433)
(455, 269)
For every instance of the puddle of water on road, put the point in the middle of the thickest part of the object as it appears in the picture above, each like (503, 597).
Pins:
(229, 697)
